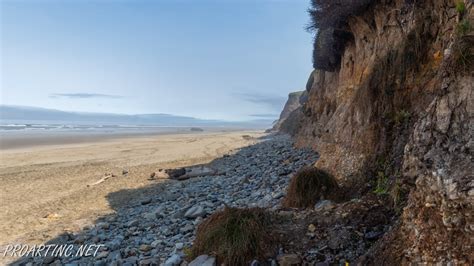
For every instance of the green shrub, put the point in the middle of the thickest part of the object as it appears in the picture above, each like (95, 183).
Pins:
(463, 27)
(463, 56)
(460, 7)
(401, 117)
(382, 184)
(462, 48)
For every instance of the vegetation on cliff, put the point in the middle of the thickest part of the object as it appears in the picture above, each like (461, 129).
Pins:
(329, 21)
(389, 110)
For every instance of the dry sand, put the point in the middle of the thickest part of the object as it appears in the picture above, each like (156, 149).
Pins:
(52, 180)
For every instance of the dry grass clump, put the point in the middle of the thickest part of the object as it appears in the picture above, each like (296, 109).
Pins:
(235, 236)
(463, 50)
(309, 185)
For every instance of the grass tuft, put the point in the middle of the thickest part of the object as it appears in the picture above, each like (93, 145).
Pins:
(235, 236)
(401, 117)
(462, 48)
(382, 184)
(463, 27)
(460, 7)
(308, 186)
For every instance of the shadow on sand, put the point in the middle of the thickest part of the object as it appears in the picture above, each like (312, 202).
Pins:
(123, 202)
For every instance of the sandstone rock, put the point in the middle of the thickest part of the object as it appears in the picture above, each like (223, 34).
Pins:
(178, 214)
(197, 221)
(187, 228)
(194, 212)
(102, 255)
(324, 205)
(114, 256)
(145, 201)
(203, 260)
(289, 260)
(103, 225)
(179, 246)
(149, 216)
(114, 244)
(155, 243)
(49, 260)
(52, 216)
(133, 223)
(149, 262)
(131, 260)
(145, 247)
(174, 260)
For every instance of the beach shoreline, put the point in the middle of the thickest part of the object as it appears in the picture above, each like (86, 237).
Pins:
(24, 140)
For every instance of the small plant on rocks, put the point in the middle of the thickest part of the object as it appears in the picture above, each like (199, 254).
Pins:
(401, 117)
(462, 48)
(308, 186)
(460, 7)
(463, 27)
(382, 184)
(235, 236)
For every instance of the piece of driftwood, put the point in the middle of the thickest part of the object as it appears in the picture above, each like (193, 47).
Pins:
(175, 173)
(195, 172)
(161, 174)
(158, 175)
(185, 173)
(100, 180)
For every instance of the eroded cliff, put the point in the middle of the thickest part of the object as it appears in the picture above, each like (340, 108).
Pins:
(291, 114)
(395, 116)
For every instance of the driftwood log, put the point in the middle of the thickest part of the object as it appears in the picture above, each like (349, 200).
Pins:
(185, 172)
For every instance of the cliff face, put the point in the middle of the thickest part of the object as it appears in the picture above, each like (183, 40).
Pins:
(398, 114)
(291, 114)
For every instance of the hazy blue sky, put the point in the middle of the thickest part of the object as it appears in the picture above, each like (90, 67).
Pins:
(209, 59)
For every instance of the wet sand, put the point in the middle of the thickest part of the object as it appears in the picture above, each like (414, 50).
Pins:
(27, 139)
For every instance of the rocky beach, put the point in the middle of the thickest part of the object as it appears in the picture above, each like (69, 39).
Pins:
(158, 229)
(49, 190)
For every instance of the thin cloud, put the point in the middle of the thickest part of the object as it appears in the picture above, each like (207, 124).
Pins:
(274, 101)
(264, 115)
(84, 95)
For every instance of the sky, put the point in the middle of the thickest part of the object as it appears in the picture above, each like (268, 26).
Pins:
(214, 59)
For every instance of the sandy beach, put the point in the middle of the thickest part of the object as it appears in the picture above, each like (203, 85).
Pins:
(45, 189)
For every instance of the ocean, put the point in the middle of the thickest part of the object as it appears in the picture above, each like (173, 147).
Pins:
(23, 134)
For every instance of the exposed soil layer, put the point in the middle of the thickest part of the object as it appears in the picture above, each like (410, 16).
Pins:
(395, 117)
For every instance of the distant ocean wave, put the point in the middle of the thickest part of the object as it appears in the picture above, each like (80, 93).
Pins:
(73, 127)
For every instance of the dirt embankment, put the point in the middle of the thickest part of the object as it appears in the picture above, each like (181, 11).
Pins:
(395, 115)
